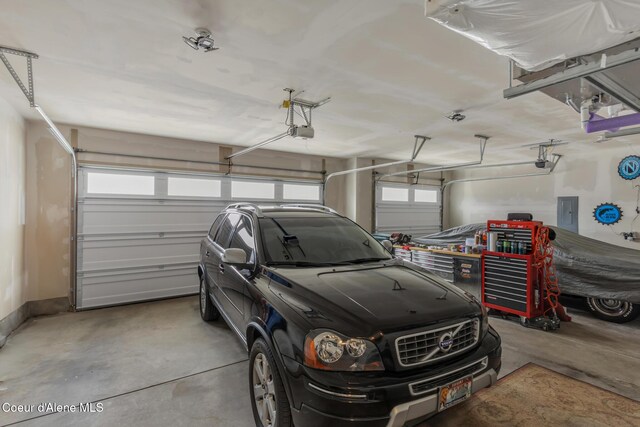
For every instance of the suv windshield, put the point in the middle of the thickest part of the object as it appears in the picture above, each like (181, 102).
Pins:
(313, 241)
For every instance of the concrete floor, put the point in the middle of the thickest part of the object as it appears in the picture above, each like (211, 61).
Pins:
(158, 364)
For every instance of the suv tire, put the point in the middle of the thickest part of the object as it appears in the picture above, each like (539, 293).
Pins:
(268, 398)
(613, 310)
(208, 311)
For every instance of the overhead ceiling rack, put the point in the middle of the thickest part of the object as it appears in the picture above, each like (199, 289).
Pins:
(596, 67)
(603, 80)
(417, 146)
(538, 34)
(593, 66)
(294, 105)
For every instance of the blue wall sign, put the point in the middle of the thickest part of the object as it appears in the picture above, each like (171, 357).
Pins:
(607, 213)
(629, 167)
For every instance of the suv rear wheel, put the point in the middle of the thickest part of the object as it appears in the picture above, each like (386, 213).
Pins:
(268, 398)
(613, 310)
(207, 310)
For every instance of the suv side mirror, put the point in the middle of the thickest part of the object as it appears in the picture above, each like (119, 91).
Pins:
(388, 245)
(235, 256)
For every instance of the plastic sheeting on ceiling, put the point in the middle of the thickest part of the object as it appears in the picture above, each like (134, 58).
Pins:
(539, 33)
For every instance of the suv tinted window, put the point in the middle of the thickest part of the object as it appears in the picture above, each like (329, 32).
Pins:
(226, 228)
(243, 239)
(318, 240)
(214, 227)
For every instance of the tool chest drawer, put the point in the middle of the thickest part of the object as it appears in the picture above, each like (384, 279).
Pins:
(506, 282)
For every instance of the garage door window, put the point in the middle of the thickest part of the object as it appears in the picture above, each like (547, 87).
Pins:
(252, 190)
(426, 196)
(392, 194)
(300, 192)
(111, 183)
(193, 187)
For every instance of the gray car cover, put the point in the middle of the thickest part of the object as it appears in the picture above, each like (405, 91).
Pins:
(586, 267)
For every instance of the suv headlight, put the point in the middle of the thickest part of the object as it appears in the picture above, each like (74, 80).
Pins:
(333, 351)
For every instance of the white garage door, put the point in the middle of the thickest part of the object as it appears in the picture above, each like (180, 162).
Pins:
(408, 209)
(139, 232)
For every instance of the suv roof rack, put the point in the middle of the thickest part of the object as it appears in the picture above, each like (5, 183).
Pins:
(310, 206)
(253, 206)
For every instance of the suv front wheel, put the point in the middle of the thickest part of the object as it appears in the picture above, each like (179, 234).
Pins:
(207, 310)
(268, 398)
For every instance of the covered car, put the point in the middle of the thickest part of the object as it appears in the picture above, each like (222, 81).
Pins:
(608, 276)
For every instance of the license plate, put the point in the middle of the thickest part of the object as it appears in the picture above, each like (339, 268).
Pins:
(454, 393)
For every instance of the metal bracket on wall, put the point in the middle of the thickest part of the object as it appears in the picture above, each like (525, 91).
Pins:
(305, 107)
(28, 92)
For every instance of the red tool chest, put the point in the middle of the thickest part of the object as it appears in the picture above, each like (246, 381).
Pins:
(511, 281)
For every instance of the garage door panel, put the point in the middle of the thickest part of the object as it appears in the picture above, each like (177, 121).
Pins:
(130, 252)
(408, 209)
(410, 230)
(403, 211)
(118, 217)
(103, 288)
(411, 217)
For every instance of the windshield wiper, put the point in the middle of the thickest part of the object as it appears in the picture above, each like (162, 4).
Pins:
(300, 264)
(288, 240)
(363, 260)
(325, 264)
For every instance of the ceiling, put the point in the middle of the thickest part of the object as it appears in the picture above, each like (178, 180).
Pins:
(391, 73)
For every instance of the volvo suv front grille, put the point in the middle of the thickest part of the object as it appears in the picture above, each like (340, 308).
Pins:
(434, 344)
(432, 383)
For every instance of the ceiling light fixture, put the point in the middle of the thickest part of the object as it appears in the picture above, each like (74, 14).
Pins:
(203, 41)
(456, 116)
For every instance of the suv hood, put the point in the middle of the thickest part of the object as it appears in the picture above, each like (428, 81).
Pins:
(365, 299)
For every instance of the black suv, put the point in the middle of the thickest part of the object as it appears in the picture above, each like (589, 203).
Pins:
(339, 331)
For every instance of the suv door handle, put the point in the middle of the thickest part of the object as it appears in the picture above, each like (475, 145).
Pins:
(207, 253)
(221, 267)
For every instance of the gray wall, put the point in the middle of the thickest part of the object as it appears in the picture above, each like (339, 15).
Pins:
(589, 171)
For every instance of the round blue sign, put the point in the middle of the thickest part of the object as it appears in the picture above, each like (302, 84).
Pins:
(607, 213)
(629, 167)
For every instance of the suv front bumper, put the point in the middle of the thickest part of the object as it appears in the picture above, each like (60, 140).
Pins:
(382, 399)
(429, 405)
